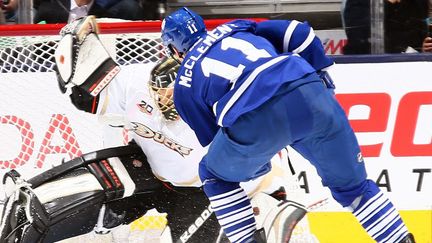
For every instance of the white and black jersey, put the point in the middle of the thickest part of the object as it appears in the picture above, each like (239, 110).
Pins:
(171, 147)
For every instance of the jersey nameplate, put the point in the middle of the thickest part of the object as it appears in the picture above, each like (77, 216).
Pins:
(204, 44)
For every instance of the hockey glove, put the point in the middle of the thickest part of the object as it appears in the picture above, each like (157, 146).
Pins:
(81, 59)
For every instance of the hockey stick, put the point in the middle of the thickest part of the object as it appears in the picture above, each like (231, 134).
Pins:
(196, 225)
(81, 161)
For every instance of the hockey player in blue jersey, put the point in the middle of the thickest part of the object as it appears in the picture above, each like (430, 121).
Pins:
(249, 89)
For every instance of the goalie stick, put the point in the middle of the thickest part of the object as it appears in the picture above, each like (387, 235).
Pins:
(296, 213)
(86, 159)
(196, 225)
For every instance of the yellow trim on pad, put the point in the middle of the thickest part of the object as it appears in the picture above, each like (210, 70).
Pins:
(342, 227)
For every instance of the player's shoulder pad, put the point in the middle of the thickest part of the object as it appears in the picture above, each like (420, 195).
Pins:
(243, 24)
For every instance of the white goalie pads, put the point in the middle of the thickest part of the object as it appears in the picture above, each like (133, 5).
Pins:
(81, 59)
(277, 218)
(40, 209)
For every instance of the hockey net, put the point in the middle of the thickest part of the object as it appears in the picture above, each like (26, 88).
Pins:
(32, 112)
(30, 48)
(39, 127)
(36, 121)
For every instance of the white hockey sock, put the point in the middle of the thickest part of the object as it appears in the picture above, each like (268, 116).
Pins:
(379, 217)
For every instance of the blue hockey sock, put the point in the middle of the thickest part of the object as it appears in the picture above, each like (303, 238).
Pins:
(378, 216)
(231, 206)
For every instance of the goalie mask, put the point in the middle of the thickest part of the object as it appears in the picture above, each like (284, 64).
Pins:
(161, 84)
(83, 65)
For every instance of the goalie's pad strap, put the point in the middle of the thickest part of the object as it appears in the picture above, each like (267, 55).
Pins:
(120, 170)
(84, 160)
(108, 178)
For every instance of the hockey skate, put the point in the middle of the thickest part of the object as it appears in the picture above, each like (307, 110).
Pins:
(259, 236)
(276, 218)
(408, 239)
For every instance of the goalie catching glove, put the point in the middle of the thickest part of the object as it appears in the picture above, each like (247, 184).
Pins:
(83, 65)
(66, 200)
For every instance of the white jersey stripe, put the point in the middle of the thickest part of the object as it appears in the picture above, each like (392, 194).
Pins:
(214, 107)
(235, 211)
(384, 224)
(235, 218)
(246, 84)
(218, 196)
(372, 209)
(238, 221)
(288, 33)
(227, 205)
(241, 229)
(232, 198)
(248, 234)
(401, 232)
(306, 43)
(371, 200)
(381, 218)
(385, 229)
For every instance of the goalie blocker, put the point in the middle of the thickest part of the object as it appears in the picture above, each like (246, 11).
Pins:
(112, 186)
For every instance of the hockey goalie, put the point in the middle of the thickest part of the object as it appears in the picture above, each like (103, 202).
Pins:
(158, 169)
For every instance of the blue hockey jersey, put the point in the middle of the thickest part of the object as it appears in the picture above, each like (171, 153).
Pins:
(238, 66)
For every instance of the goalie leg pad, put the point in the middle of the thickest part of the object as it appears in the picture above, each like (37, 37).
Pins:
(56, 210)
(68, 204)
(277, 218)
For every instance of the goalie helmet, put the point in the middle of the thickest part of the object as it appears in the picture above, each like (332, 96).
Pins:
(181, 29)
(83, 65)
(161, 84)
